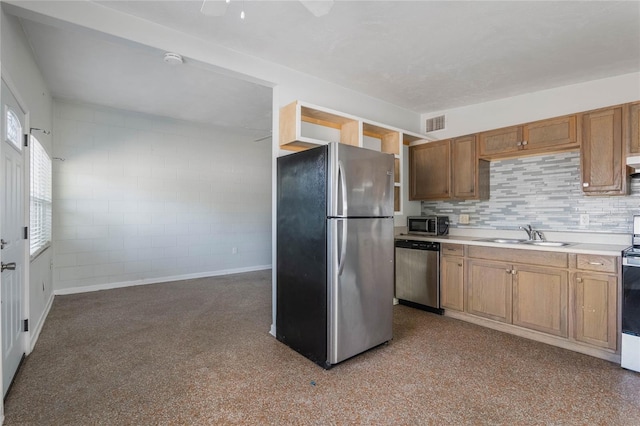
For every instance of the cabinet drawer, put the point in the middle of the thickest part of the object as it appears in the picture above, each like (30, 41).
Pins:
(591, 262)
(530, 257)
(452, 250)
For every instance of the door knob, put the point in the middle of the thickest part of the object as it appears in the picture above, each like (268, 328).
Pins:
(10, 266)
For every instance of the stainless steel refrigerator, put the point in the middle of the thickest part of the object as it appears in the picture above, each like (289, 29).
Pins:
(335, 251)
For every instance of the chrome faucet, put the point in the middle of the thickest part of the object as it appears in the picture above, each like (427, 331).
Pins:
(530, 232)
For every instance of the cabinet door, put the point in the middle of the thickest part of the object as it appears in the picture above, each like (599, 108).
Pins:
(470, 176)
(634, 131)
(430, 171)
(601, 156)
(551, 135)
(452, 283)
(540, 299)
(500, 143)
(595, 310)
(489, 290)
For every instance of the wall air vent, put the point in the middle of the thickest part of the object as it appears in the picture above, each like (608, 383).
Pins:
(435, 123)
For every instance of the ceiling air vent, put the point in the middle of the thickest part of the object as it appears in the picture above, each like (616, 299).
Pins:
(435, 123)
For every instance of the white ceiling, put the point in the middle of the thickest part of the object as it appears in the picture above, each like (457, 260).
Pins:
(421, 55)
(98, 70)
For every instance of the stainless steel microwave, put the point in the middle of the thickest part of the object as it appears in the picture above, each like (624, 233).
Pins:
(428, 225)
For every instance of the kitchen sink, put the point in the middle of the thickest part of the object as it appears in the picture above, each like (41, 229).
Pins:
(548, 243)
(504, 240)
(534, 242)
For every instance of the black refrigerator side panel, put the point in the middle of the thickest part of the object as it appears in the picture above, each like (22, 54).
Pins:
(301, 311)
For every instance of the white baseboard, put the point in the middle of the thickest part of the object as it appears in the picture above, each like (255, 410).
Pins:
(272, 330)
(33, 335)
(110, 286)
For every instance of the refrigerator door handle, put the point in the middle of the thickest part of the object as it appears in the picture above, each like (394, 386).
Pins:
(343, 244)
(343, 189)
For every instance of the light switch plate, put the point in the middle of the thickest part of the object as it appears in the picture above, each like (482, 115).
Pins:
(464, 219)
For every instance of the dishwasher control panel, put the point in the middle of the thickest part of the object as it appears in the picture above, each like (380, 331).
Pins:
(418, 245)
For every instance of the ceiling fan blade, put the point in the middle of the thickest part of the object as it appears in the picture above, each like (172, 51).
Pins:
(214, 7)
(264, 138)
(318, 7)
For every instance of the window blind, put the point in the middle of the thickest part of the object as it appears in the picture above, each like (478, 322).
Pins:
(40, 212)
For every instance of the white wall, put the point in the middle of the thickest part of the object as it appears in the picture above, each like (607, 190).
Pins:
(145, 199)
(537, 105)
(288, 84)
(19, 67)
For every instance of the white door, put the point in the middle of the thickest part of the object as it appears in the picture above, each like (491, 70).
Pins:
(12, 254)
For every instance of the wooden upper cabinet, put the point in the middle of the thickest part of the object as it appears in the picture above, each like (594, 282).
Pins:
(448, 169)
(540, 137)
(470, 176)
(501, 142)
(634, 130)
(430, 171)
(602, 157)
(556, 134)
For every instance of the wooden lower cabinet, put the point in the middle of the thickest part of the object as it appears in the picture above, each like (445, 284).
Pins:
(540, 299)
(489, 290)
(452, 283)
(595, 309)
(568, 300)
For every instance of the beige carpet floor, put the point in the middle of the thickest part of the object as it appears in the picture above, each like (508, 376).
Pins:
(198, 352)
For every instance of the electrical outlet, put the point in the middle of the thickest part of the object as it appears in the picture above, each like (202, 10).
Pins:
(234, 250)
(464, 219)
(584, 220)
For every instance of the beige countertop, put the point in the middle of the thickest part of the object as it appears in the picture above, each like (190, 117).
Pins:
(582, 247)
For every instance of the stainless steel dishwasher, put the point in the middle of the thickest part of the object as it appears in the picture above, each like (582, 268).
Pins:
(418, 274)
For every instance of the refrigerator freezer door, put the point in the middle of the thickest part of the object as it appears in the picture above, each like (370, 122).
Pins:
(301, 247)
(360, 285)
(360, 182)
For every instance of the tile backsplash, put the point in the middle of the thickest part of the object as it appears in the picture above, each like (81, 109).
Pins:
(543, 191)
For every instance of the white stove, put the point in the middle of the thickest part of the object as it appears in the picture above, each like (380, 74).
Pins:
(630, 345)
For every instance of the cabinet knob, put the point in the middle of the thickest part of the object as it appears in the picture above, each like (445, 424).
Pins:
(524, 143)
(585, 185)
(508, 271)
(519, 144)
(459, 264)
(579, 279)
(514, 272)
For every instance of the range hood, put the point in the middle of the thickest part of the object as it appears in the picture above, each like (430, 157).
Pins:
(634, 162)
